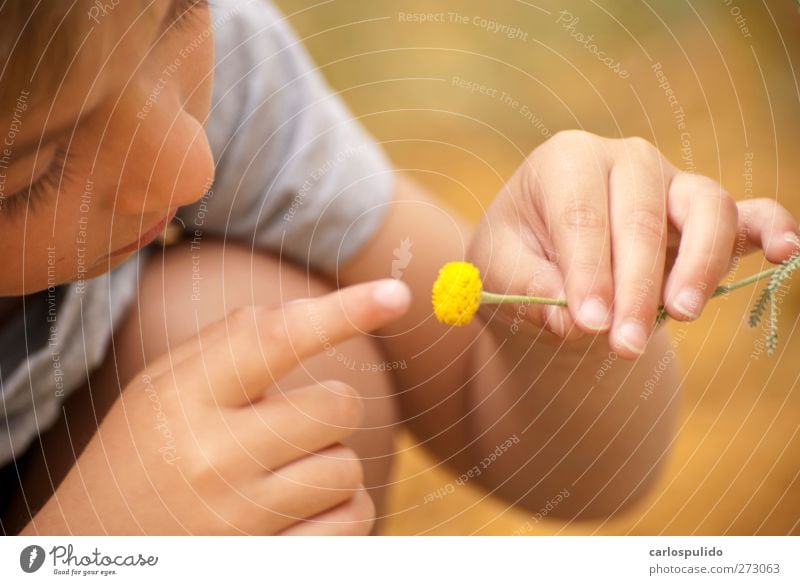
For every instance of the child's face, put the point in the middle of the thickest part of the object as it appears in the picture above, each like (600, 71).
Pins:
(89, 174)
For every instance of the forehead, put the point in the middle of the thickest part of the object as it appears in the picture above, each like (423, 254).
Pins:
(73, 58)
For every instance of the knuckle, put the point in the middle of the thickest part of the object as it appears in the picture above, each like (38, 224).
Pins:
(649, 223)
(642, 305)
(552, 151)
(244, 319)
(242, 316)
(570, 136)
(349, 470)
(199, 469)
(582, 215)
(347, 408)
(270, 333)
(586, 263)
(728, 205)
(360, 516)
(640, 146)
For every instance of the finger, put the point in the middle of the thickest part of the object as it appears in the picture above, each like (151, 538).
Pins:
(707, 218)
(638, 192)
(573, 198)
(523, 267)
(261, 345)
(356, 517)
(764, 224)
(311, 485)
(294, 424)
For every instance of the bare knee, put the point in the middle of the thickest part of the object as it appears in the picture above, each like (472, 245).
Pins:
(185, 289)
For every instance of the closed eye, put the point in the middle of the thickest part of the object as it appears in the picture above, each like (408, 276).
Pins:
(34, 193)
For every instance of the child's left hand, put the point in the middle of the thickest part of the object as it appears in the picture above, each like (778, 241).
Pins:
(611, 223)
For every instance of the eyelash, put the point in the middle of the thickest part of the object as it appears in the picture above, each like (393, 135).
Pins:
(184, 8)
(54, 176)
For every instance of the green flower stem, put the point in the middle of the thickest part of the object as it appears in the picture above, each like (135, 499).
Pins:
(488, 298)
(496, 298)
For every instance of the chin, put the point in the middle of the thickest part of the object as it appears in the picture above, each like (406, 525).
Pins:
(107, 265)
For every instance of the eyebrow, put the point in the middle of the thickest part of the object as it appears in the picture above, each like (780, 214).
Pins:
(50, 135)
(166, 21)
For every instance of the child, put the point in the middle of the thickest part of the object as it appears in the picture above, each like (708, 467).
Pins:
(225, 385)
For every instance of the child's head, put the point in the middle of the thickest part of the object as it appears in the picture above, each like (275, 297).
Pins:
(102, 106)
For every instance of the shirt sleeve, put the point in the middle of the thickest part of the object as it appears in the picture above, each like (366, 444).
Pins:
(295, 173)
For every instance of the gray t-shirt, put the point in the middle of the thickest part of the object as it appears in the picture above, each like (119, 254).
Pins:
(295, 174)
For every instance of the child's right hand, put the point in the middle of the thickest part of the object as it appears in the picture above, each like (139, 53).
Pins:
(194, 444)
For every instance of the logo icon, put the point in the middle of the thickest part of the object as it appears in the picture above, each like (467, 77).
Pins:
(402, 256)
(31, 558)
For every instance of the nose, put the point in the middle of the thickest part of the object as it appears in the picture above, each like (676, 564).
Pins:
(170, 162)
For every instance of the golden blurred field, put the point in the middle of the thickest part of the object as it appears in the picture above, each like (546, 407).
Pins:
(735, 466)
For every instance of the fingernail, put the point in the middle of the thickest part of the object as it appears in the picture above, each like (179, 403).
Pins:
(594, 314)
(555, 319)
(792, 238)
(633, 336)
(392, 294)
(688, 302)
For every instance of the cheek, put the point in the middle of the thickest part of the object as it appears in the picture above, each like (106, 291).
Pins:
(197, 70)
(36, 256)
(198, 83)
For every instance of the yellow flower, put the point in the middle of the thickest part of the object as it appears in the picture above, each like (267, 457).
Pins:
(457, 293)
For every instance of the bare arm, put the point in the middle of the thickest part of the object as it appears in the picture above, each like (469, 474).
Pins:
(463, 398)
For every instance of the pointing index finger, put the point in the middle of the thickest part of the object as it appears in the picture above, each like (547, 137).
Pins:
(255, 346)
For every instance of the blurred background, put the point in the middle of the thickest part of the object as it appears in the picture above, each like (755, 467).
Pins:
(459, 92)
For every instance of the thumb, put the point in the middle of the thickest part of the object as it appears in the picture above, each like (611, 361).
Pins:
(516, 263)
(255, 346)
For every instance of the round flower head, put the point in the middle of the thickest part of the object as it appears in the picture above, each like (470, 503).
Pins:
(457, 293)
